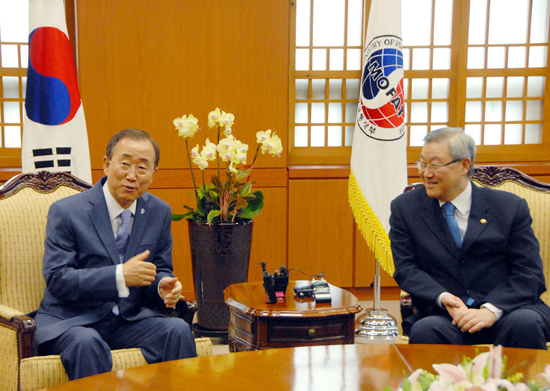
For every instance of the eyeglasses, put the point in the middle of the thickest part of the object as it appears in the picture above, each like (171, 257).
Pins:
(434, 167)
(140, 170)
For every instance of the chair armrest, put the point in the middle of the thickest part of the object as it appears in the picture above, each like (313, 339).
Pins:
(24, 327)
(8, 312)
(185, 309)
(405, 306)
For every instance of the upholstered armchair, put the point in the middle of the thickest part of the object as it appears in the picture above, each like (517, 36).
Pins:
(24, 204)
(537, 195)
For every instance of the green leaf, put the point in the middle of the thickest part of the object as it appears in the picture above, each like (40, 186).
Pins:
(245, 190)
(425, 382)
(407, 386)
(213, 196)
(212, 214)
(254, 206)
(243, 172)
(178, 217)
(216, 181)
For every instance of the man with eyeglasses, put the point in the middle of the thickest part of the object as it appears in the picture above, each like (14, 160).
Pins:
(466, 254)
(108, 268)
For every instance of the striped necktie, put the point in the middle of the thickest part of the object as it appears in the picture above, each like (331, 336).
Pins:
(123, 234)
(122, 243)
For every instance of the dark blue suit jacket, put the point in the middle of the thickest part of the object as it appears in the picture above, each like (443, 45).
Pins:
(81, 256)
(499, 261)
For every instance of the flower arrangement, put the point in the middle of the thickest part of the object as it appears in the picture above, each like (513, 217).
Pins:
(483, 373)
(232, 199)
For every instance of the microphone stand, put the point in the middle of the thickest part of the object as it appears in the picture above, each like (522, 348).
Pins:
(376, 325)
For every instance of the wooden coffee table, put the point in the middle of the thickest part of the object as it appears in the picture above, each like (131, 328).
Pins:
(337, 367)
(297, 321)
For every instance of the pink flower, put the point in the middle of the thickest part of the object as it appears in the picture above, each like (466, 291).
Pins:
(495, 384)
(545, 376)
(451, 372)
(494, 362)
(413, 378)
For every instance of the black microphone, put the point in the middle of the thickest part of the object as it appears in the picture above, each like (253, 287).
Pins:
(283, 269)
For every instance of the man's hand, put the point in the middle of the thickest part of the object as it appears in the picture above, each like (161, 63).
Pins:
(454, 305)
(137, 272)
(475, 319)
(170, 290)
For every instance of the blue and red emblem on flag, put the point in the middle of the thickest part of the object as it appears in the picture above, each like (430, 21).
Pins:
(52, 89)
(381, 113)
(379, 154)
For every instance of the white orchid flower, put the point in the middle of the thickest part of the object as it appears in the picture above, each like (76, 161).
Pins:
(261, 137)
(201, 162)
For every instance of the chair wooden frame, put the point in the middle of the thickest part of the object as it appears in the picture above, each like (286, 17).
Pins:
(41, 182)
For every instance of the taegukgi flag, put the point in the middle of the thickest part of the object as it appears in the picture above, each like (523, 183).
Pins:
(54, 128)
(378, 158)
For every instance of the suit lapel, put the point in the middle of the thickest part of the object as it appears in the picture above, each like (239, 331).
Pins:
(479, 218)
(99, 215)
(433, 217)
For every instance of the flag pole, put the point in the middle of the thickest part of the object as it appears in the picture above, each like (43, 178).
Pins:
(378, 165)
(376, 325)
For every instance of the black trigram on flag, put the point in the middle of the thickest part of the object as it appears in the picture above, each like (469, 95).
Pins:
(45, 159)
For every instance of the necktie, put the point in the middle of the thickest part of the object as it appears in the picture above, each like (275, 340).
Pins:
(122, 243)
(123, 234)
(449, 210)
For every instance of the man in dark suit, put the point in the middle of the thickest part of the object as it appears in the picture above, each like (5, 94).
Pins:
(108, 268)
(475, 276)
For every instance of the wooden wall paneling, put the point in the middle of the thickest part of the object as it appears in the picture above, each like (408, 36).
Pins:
(321, 230)
(181, 253)
(365, 265)
(269, 238)
(143, 63)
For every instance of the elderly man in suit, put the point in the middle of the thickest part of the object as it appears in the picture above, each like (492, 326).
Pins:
(108, 268)
(466, 254)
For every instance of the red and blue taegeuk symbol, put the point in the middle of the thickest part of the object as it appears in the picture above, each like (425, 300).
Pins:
(52, 89)
(383, 89)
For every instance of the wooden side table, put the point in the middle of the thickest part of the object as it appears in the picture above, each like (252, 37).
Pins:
(255, 325)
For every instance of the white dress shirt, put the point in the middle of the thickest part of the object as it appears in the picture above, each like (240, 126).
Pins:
(115, 210)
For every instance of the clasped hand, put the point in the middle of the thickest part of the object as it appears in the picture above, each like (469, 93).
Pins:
(468, 319)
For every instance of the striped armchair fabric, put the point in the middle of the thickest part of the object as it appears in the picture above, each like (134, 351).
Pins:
(24, 205)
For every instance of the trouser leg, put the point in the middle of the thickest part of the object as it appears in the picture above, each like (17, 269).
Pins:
(523, 328)
(435, 330)
(83, 352)
(159, 338)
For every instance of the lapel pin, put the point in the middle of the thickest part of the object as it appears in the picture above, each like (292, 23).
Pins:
(142, 211)
(483, 221)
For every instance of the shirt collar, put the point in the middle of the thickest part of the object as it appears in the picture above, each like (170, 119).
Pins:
(113, 206)
(463, 202)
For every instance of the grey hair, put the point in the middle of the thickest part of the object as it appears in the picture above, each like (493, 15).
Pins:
(134, 134)
(461, 145)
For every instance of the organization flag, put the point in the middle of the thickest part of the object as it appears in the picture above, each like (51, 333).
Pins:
(54, 128)
(378, 158)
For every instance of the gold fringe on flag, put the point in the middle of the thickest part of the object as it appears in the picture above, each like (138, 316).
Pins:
(376, 237)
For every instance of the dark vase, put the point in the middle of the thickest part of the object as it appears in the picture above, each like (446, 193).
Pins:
(220, 254)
